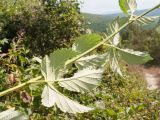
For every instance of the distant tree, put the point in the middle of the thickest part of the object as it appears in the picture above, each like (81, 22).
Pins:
(45, 25)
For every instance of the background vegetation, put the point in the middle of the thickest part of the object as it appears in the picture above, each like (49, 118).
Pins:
(43, 25)
(34, 27)
(142, 38)
(98, 23)
(145, 40)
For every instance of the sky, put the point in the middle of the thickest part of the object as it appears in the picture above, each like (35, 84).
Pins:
(111, 6)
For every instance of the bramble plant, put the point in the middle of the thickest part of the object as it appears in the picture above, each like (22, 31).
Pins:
(90, 65)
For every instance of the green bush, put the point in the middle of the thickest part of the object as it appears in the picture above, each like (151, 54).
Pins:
(44, 25)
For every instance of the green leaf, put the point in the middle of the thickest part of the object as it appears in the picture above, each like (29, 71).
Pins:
(111, 113)
(83, 81)
(47, 70)
(59, 57)
(96, 61)
(3, 41)
(124, 6)
(134, 57)
(128, 6)
(141, 107)
(85, 42)
(12, 114)
(64, 103)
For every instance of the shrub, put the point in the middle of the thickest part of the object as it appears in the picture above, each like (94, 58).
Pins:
(45, 25)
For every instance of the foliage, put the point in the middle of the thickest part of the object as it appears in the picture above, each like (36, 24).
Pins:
(44, 25)
(115, 98)
(16, 68)
(128, 6)
(63, 73)
(85, 42)
(143, 40)
(118, 98)
(133, 57)
(98, 23)
(12, 114)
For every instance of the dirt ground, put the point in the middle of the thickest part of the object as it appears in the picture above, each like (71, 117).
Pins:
(150, 74)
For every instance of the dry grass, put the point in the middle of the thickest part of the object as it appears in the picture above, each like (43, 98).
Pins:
(152, 70)
(141, 69)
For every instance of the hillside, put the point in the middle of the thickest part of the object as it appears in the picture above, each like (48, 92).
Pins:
(154, 13)
(98, 23)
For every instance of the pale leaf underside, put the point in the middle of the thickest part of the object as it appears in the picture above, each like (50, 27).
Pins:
(113, 27)
(70, 106)
(46, 69)
(95, 61)
(65, 104)
(132, 5)
(146, 20)
(48, 97)
(12, 114)
(83, 81)
(115, 66)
